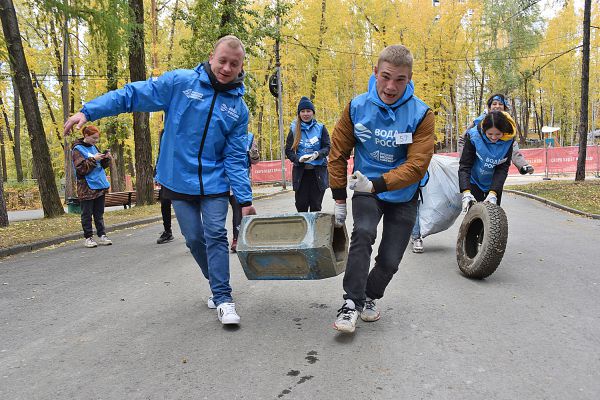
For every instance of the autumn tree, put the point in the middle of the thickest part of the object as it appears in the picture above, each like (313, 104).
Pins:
(141, 129)
(41, 156)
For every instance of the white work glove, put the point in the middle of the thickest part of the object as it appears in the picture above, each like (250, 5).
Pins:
(360, 183)
(339, 211)
(309, 157)
(467, 199)
(491, 198)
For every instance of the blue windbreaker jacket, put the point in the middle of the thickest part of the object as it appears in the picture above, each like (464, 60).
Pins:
(203, 148)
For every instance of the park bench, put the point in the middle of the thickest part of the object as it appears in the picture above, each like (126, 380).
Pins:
(125, 199)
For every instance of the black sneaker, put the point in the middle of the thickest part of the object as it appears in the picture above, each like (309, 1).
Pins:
(165, 237)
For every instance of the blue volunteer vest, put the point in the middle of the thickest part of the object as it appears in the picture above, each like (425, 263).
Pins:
(96, 179)
(310, 140)
(383, 133)
(489, 155)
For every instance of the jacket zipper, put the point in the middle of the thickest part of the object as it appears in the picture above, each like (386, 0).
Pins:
(210, 111)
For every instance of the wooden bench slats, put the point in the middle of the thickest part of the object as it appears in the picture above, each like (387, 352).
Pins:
(125, 199)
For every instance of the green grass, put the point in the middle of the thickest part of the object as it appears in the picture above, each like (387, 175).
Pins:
(583, 196)
(24, 232)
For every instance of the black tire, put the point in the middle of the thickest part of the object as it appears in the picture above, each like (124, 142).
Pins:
(481, 240)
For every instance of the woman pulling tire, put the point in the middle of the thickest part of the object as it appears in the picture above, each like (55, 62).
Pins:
(482, 171)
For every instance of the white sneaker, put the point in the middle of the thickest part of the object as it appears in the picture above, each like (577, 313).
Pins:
(210, 303)
(90, 242)
(104, 241)
(370, 313)
(417, 245)
(346, 318)
(227, 315)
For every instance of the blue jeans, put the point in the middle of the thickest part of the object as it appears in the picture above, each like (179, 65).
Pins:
(416, 232)
(202, 225)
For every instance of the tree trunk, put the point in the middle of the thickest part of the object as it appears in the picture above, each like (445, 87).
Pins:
(322, 30)
(3, 212)
(3, 155)
(585, 88)
(38, 85)
(154, 23)
(42, 164)
(480, 101)
(17, 132)
(141, 129)
(261, 109)
(172, 33)
(117, 168)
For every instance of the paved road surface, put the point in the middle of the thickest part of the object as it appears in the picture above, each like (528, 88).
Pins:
(130, 321)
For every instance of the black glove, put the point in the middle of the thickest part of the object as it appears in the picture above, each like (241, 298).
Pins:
(526, 169)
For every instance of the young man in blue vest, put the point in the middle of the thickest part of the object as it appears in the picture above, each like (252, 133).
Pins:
(202, 155)
(392, 134)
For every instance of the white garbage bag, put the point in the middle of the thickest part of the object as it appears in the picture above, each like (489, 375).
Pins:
(441, 196)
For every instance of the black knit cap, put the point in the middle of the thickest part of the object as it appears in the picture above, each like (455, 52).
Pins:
(305, 104)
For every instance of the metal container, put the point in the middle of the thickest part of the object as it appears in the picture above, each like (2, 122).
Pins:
(292, 246)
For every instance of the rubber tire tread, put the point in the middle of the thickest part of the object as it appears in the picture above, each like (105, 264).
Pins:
(493, 246)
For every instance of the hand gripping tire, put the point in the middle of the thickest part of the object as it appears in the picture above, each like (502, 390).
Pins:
(481, 240)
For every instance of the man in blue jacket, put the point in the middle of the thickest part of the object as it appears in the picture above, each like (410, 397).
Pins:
(202, 156)
(391, 132)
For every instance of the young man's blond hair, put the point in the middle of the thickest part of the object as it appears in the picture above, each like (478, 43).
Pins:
(397, 55)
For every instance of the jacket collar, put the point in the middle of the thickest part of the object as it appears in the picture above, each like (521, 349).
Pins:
(207, 77)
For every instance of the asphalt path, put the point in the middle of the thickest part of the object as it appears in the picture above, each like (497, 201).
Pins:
(130, 321)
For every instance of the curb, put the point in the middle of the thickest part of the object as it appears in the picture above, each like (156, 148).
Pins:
(21, 248)
(553, 204)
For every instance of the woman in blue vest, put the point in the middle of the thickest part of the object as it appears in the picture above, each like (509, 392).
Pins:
(486, 158)
(497, 102)
(307, 147)
(92, 184)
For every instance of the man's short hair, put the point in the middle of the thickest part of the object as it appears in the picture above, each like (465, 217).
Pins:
(232, 41)
(397, 55)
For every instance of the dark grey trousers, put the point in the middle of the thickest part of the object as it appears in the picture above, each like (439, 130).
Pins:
(398, 221)
(93, 208)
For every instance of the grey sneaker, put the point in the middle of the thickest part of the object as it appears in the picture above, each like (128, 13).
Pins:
(90, 242)
(210, 303)
(417, 245)
(104, 241)
(346, 318)
(227, 314)
(370, 313)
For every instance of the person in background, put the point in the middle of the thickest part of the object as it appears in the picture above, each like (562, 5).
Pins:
(253, 157)
(498, 102)
(307, 147)
(486, 158)
(92, 184)
(202, 156)
(415, 236)
(165, 206)
(391, 132)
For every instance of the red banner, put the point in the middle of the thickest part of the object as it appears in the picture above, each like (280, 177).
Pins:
(270, 171)
(561, 160)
